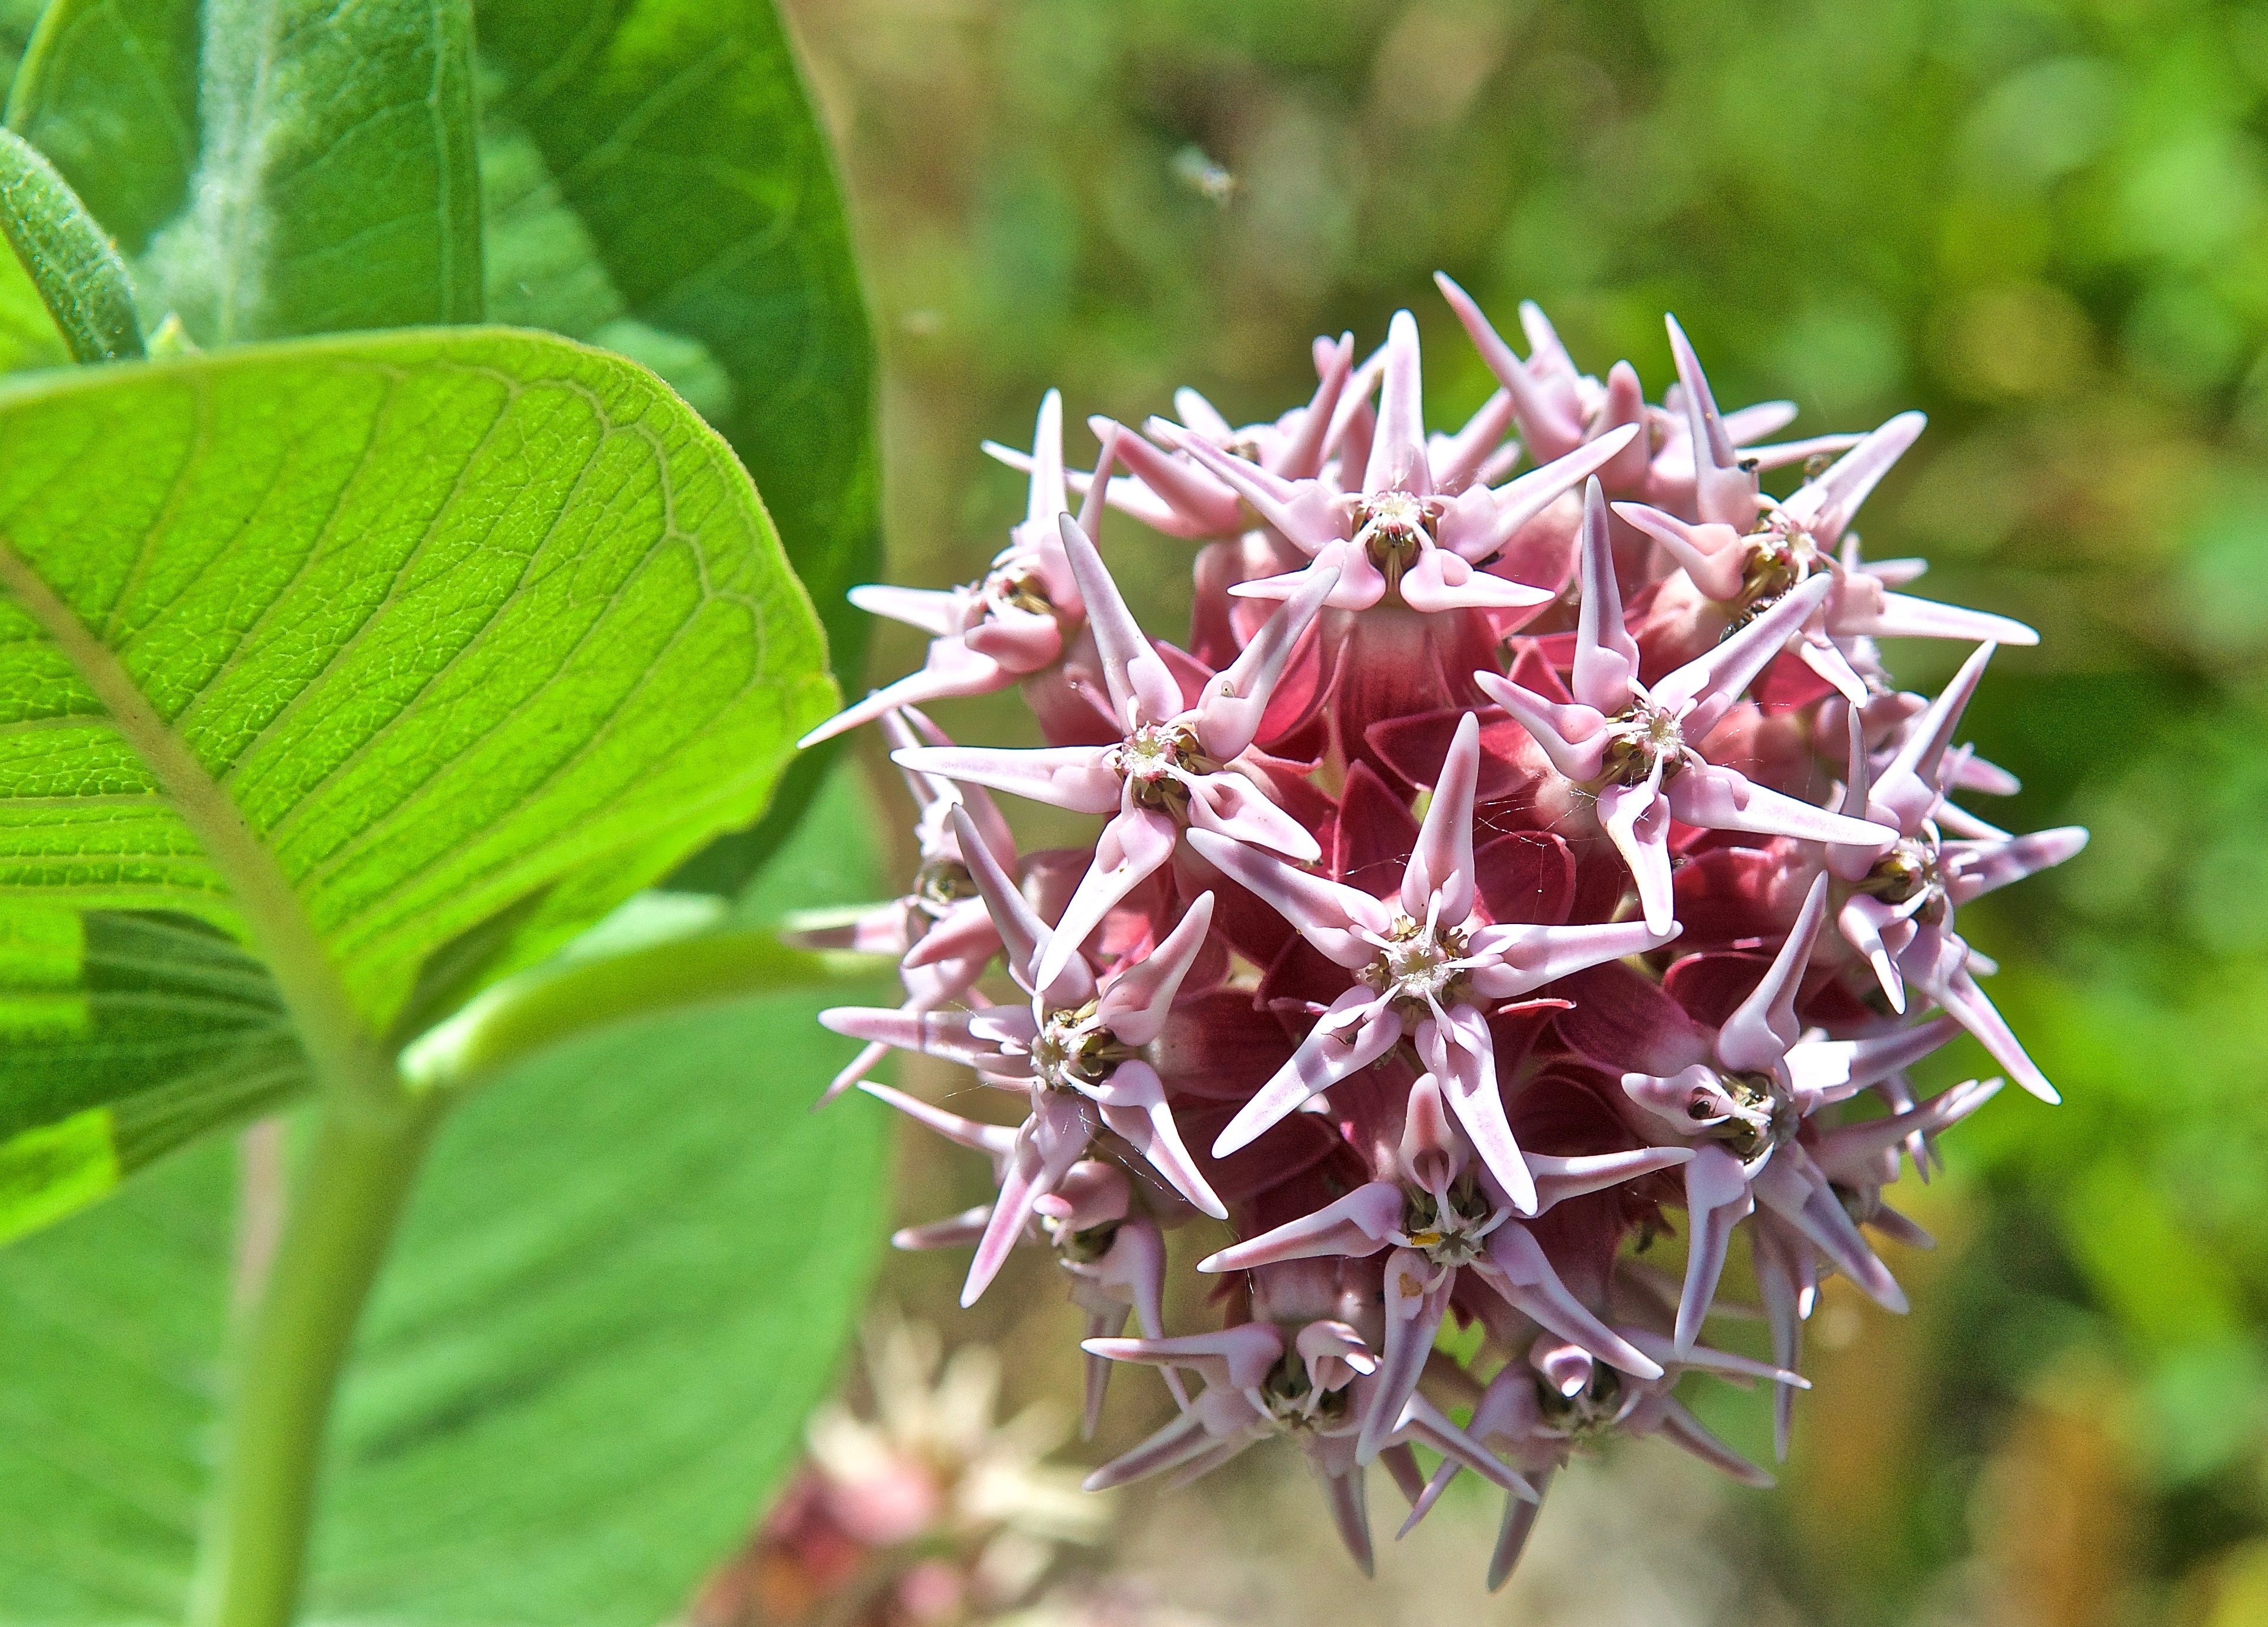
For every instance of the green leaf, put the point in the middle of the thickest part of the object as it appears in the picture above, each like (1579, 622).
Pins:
(656, 183)
(347, 647)
(624, 1282)
(78, 274)
(124, 1035)
(336, 186)
(107, 89)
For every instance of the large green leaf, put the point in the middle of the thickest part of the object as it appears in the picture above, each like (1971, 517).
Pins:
(107, 89)
(337, 184)
(348, 648)
(656, 183)
(623, 1281)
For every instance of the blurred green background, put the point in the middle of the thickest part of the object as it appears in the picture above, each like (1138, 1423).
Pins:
(2045, 224)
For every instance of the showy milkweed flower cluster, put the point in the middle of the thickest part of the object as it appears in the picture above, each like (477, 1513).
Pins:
(1508, 859)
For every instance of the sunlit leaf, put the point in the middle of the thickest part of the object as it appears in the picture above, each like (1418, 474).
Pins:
(347, 647)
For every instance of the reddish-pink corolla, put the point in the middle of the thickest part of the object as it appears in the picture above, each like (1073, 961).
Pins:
(1514, 870)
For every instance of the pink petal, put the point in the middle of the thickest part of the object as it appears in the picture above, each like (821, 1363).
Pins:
(1719, 798)
(1442, 863)
(1079, 779)
(951, 670)
(1136, 1000)
(1358, 1029)
(1710, 554)
(1324, 912)
(1573, 737)
(1757, 1036)
(1228, 715)
(1133, 1104)
(1518, 1269)
(1550, 430)
(1398, 447)
(1416, 1299)
(1716, 1199)
(1142, 688)
(1355, 1226)
(1636, 819)
(1529, 957)
(1606, 656)
(1132, 848)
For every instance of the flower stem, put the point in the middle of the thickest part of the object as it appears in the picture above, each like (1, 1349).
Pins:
(348, 1196)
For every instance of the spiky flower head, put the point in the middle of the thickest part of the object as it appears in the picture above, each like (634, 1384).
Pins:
(1510, 863)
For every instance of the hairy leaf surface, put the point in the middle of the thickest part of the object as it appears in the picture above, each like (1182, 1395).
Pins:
(338, 183)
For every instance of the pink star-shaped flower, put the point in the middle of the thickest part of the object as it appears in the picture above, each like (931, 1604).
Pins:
(1175, 766)
(1076, 1050)
(1423, 970)
(1635, 745)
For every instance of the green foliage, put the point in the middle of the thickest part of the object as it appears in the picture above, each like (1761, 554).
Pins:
(342, 679)
(676, 141)
(107, 90)
(620, 1288)
(337, 185)
(78, 274)
(349, 646)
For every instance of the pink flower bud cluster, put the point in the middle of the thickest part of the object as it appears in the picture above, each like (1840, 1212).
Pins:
(1508, 861)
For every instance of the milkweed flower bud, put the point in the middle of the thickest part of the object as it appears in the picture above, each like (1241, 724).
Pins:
(1512, 863)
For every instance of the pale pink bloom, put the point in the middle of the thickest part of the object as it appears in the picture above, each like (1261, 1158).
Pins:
(1749, 565)
(1401, 537)
(1859, 1160)
(1444, 1214)
(1740, 1101)
(1899, 896)
(1309, 1382)
(1540, 1411)
(1423, 970)
(1560, 408)
(1634, 746)
(1075, 1048)
(1175, 766)
(1013, 620)
(941, 912)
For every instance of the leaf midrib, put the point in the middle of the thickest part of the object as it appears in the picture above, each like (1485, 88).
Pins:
(343, 1052)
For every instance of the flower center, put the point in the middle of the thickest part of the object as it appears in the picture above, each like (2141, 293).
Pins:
(1419, 963)
(1763, 1117)
(1590, 1412)
(1640, 737)
(1019, 590)
(1906, 873)
(1082, 1247)
(1074, 1051)
(942, 883)
(1391, 528)
(1293, 1402)
(1153, 759)
(1450, 1233)
(1781, 556)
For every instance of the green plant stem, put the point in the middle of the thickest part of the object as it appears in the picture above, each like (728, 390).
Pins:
(347, 1198)
(552, 1005)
